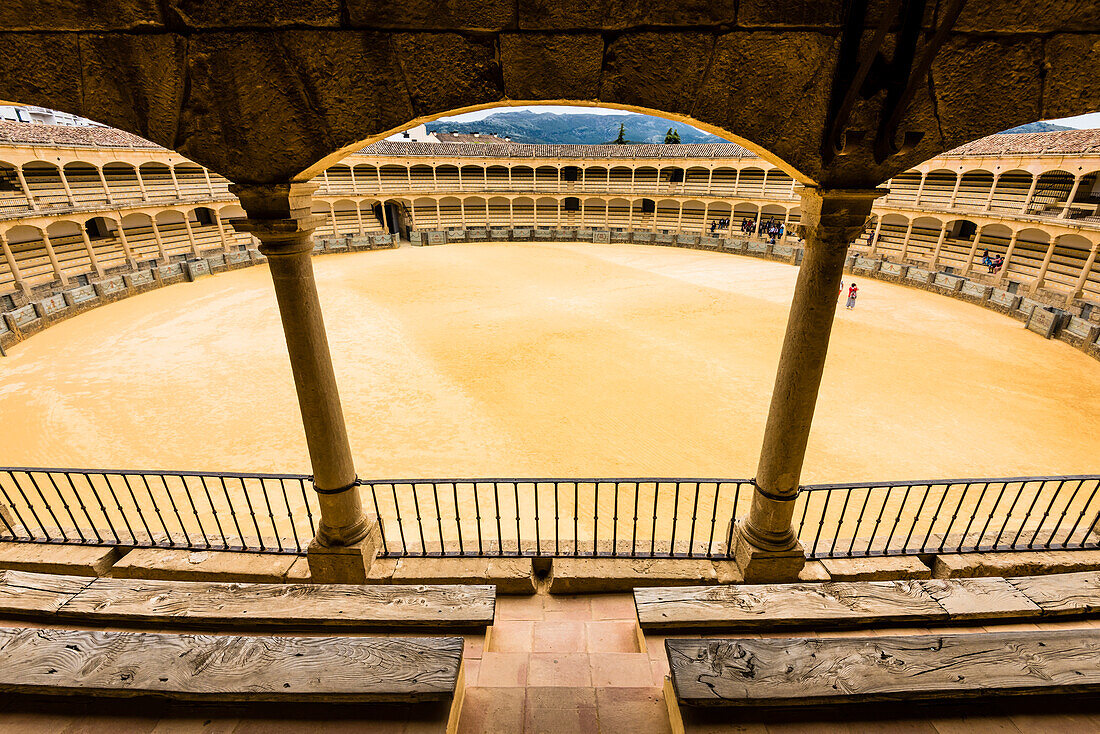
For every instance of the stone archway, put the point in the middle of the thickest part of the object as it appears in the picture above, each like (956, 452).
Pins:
(308, 83)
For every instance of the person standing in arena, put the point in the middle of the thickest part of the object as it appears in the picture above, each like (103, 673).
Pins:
(853, 291)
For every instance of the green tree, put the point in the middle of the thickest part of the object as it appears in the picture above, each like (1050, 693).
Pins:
(670, 137)
(675, 136)
(621, 140)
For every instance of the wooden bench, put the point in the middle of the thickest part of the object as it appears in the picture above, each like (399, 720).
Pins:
(226, 605)
(782, 672)
(833, 605)
(229, 668)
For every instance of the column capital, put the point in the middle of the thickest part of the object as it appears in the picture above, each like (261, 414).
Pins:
(836, 216)
(279, 215)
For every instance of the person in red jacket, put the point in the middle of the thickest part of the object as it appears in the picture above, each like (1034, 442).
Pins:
(853, 291)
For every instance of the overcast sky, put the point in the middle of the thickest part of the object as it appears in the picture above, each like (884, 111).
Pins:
(1082, 121)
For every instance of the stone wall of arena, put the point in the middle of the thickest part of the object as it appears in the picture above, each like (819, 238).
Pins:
(84, 226)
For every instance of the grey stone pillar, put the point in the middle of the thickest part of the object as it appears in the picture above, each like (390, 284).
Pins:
(347, 540)
(765, 546)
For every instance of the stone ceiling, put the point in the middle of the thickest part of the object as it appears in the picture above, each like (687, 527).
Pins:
(269, 90)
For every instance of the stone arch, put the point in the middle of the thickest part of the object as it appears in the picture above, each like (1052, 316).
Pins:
(1010, 193)
(158, 181)
(938, 187)
(974, 189)
(524, 211)
(546, 211)
(498, 211)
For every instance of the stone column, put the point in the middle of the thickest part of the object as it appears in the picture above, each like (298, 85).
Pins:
(141, 183)
(874, 237)
(90, 249)
(175, 182)
(16, 274)
(765, 546)
(125, 244)
(279, 216)
(1040, 279)
(1072, 196)
(920, 188)
(905, 240)
(1008, 257)
(106, 188)
(939, 246)
(221, 230)
(65, 185)
(159, 239)
(1079, 287)
(190, 234)
(954, 191)
(1030, 194)
(26, 189)
(53, 258)
(992, 190)
(973, 251)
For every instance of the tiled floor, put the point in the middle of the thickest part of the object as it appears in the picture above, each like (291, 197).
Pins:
(564, 664)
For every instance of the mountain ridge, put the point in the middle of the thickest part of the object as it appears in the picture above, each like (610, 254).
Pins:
(575, 128)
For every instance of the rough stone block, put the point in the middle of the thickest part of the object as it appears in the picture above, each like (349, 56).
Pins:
(1024, 563)
(614, 14)
(600, 575)
(464, 15)
(444, 71)
(659, 70)
(511, 575)
(887, 568)
(206, 14)
(552, 66)
(1071, 60)
(58, 15)
(186, 565)
(345, 564)
(73, 560)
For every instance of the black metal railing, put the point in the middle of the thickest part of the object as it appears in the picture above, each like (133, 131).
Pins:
(949, 516)
(629, 518)
(271, 513)
(625, 518)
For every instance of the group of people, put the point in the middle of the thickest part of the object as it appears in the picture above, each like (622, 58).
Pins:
(992, 263)
(773, 229)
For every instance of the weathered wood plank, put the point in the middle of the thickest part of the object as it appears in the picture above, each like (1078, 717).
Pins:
(228, 667)
(803, 671)
(984, 598)
(767, 606)
(23, 591)
(1062, 593)
(300, 605)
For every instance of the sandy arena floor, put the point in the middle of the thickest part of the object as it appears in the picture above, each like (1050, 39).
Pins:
(547, 360)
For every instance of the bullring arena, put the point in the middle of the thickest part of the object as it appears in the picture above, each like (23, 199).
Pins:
(311, 422)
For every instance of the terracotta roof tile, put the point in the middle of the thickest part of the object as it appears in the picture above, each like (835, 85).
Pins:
(32, 133)
(526, 150)
(1061, 142)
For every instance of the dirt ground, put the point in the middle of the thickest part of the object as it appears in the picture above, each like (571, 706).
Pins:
(547, 360)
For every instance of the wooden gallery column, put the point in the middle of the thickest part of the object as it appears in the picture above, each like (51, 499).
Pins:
(765, 547)
(279, 216)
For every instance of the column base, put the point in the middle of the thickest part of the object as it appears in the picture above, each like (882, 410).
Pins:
(344, 564)
(764, 565)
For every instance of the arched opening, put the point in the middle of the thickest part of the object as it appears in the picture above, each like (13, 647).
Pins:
(974, 190)
(122, 182)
